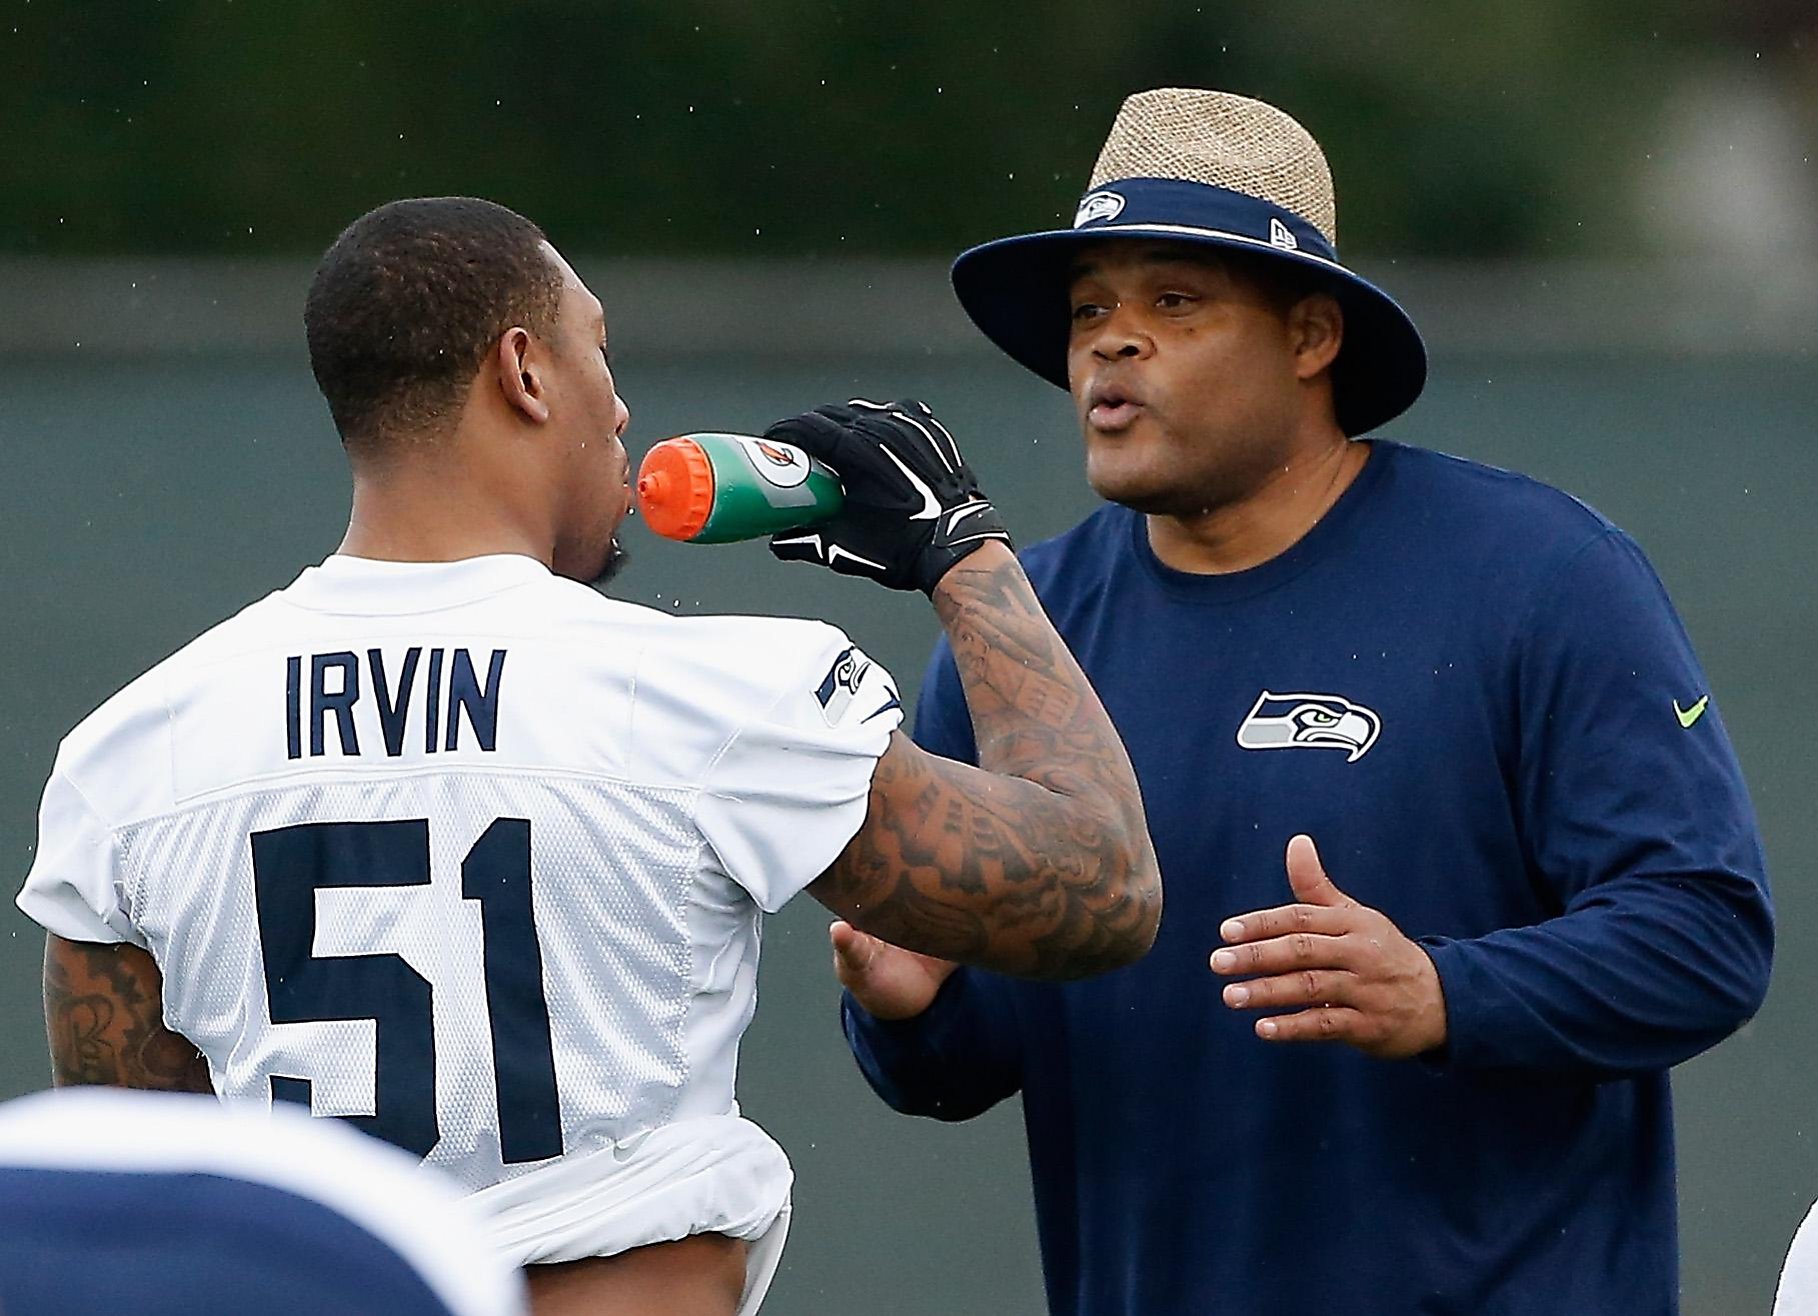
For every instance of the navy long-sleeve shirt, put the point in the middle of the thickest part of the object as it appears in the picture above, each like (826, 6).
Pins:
(1473, 693)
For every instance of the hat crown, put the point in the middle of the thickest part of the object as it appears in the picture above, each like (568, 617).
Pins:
(1221, 140)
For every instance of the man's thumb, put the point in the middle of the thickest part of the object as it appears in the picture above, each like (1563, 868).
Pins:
(1307, 876)
(852, 950)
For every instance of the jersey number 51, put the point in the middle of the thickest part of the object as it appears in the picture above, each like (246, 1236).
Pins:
(291, 863)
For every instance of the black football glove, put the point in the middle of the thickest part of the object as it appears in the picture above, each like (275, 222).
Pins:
(912, 505)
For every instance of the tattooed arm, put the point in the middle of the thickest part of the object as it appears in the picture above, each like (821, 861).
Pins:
(1036, 863)
(104, 1011)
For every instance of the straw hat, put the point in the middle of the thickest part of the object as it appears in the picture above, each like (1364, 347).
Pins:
(1212, 169)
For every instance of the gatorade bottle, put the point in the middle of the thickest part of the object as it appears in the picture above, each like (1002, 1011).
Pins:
(717, 488)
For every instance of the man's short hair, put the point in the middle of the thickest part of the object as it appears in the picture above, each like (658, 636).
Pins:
(409, 300)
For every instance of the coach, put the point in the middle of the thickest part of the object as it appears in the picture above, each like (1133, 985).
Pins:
(1423, 1069)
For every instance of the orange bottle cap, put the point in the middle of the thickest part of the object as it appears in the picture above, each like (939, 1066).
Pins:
(675, 488)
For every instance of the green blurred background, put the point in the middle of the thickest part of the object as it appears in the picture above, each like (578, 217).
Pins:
(1605, 219)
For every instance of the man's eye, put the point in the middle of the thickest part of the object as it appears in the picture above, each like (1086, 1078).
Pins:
(1086, 311)
(1175, 301)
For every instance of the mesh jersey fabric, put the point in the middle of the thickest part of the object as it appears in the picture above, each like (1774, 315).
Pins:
(464, 852)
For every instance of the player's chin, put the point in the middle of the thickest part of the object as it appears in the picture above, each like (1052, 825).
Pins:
(592, 561)
(611, 565)
(1118, 477)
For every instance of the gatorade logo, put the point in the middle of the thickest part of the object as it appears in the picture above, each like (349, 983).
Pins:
(777, 463)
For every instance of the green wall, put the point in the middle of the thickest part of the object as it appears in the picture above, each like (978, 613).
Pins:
(827, 126)
(144, 498)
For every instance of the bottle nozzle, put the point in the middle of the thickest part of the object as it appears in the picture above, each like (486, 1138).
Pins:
(675, 488)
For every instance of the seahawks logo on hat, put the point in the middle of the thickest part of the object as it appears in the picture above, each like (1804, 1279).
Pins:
(1310, 722)
(1097, 207)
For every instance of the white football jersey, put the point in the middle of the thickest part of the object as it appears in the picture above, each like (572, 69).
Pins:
(464, 852)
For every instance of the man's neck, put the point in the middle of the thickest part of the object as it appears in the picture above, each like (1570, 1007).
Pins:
(1266, 522)
(410, 514)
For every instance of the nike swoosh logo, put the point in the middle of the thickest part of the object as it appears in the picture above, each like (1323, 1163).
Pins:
(1687, 716)
(829, 553)
(931, 507)
(890, 703)
(835, 553)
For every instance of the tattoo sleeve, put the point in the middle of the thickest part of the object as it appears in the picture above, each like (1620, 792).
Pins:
(1036, 863)
(104, 1012)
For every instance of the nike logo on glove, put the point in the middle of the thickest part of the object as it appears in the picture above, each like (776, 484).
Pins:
(830, 553)
(931, 507)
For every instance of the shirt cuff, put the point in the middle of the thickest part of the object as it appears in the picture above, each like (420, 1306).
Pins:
(919, 1034)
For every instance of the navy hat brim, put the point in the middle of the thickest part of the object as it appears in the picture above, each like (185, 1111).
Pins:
(1015, 290)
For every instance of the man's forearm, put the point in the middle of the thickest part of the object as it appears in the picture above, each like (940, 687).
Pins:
(1652, 972)
(103, 1012)
(1035, 716)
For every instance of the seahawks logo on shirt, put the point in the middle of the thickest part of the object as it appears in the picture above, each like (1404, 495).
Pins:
(837, 689)
(1310, 722)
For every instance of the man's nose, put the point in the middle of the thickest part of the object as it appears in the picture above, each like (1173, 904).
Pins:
(1120, 336)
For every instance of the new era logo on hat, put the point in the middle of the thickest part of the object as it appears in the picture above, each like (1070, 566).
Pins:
(1209, 169)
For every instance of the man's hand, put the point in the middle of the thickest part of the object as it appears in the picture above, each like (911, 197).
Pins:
(888, 981)
(913, 507)
(1343, 969)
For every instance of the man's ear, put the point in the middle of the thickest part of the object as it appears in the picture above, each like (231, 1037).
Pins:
(1316, 328)
(521, 375)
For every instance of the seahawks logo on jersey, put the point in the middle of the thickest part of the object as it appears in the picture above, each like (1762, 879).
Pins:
(1310, 722)
(837, 689)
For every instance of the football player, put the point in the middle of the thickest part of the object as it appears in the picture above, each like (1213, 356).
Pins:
(440, 841)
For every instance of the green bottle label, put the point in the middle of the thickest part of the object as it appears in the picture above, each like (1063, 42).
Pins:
(761, 486)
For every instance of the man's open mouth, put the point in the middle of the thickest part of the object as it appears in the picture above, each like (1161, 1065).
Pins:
(1111, 407)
